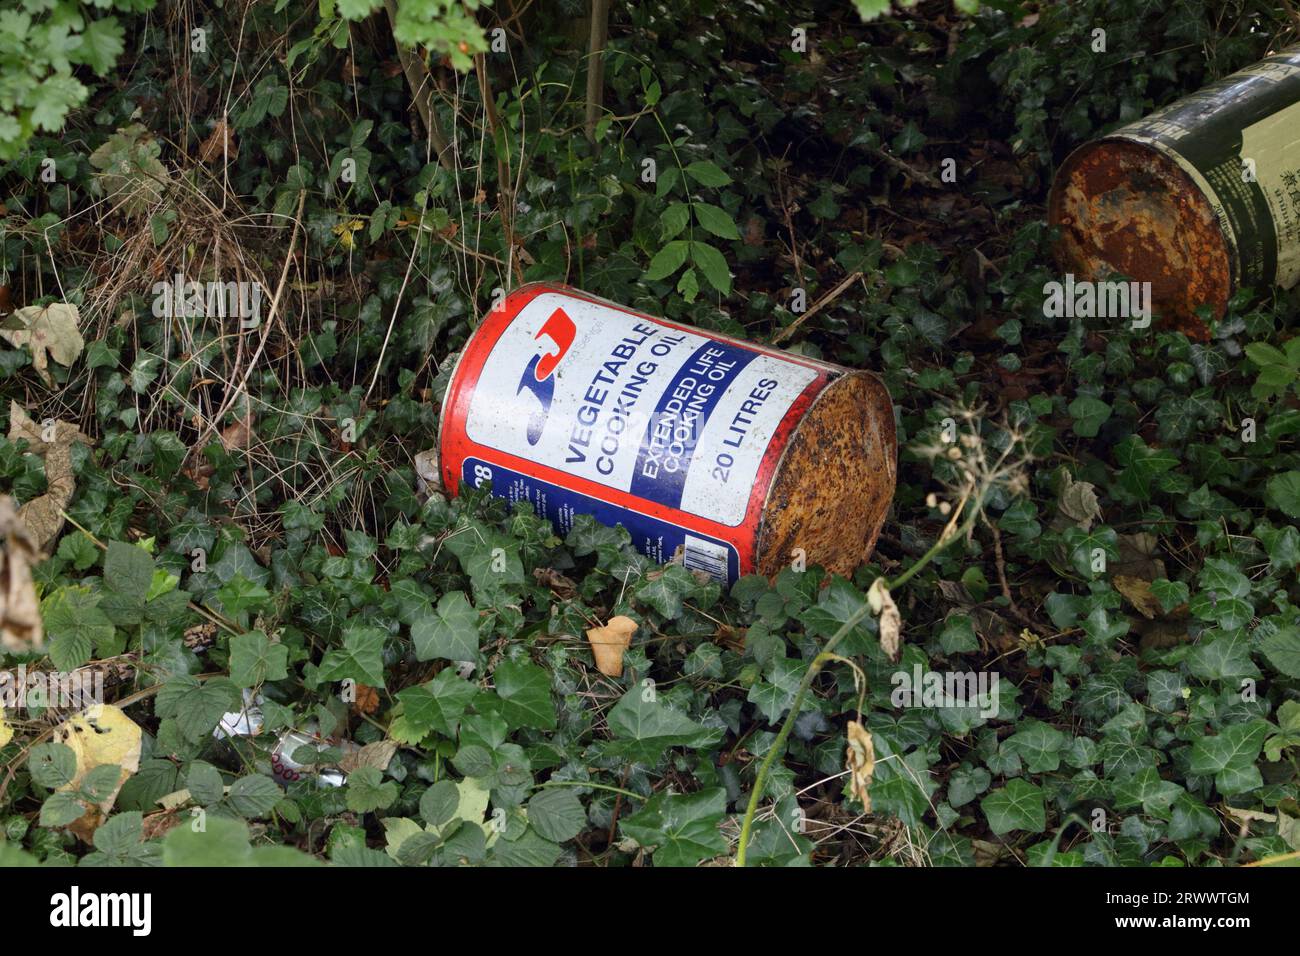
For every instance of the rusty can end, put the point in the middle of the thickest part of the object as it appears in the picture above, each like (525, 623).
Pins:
(1125, 207)
(833, 486)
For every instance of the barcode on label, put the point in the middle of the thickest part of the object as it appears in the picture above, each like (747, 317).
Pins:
(701, 555)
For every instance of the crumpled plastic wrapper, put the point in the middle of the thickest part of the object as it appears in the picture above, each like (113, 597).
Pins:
(246, 722)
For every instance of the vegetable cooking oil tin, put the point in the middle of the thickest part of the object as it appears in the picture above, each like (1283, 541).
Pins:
(1199, 198)
(734, 457)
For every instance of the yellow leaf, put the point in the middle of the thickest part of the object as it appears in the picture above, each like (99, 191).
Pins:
(6, 732)
(100, 735)
(1139, 595)
(344, 231)
(609, 642)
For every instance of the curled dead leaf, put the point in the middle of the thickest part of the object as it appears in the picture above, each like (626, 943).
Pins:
(890, 620)
(238, 435)
(377, 755)
(563, 587)
(609, 642)
(221, 143)
(1078, 501)
(860, 761)
(367, 701)
(1138, 593)
(53, 441)
(427, 479)
(20, 617)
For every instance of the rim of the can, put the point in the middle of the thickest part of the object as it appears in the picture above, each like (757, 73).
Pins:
(845, 373)
(1168, 159)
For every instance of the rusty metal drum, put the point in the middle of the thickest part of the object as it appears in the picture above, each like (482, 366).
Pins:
(1200, 198)
(729, 456)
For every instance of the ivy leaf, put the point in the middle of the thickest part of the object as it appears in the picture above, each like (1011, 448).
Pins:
(361, 657)
(1224, 657)
(664, 589)
(255, 660)
(1230, 757)
(525, 693)
(1017, 806)
(435, 707)
(1089, 415)
(1142, 466)
(681, 829)
(449, 631)
(1039, 745)
(774, 696)
(1147, 790)
(644, 727)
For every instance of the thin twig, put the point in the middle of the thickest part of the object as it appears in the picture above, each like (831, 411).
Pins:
(817, 306)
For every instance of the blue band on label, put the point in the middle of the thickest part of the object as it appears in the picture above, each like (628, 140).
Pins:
(679, 420)
(656, 539)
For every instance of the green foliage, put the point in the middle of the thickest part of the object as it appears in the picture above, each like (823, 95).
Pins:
(1138, 599)
(41, 44)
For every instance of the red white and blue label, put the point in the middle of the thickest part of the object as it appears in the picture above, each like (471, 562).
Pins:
(580, 406)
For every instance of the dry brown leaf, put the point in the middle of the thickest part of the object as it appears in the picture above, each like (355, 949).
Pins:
(20, 616)
(49, 332)
(609, 642)
(221, 143)
(377, 755)
(158, 824)
(860, 761)
(52, 441)
(563, 587)
(367, 701)
(891, 621)
(1138, 592)
(1138, 557)
(1078, 501)
(238, 435)
(427, 479)
(100, 735)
